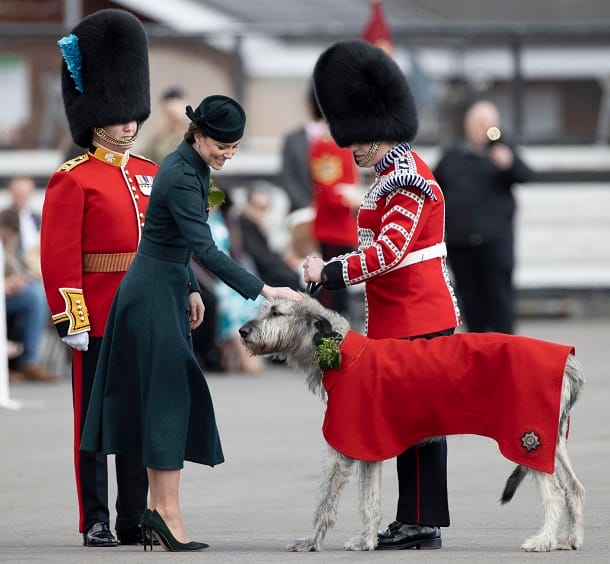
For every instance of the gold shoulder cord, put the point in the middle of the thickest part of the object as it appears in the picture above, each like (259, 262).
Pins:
(69, 165)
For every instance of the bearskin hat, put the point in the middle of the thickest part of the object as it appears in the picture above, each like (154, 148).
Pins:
(105, 75)
(364, 95)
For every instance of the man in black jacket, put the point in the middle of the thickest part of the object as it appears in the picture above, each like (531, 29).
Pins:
(295, 176)
(477, 177)
(272, 268)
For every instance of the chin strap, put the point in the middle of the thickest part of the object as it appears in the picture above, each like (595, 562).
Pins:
(370, 155)
(103, 134)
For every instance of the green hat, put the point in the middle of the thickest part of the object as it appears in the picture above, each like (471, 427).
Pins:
(219, 117)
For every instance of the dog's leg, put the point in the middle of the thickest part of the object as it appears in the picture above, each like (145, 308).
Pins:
(552, 501)
(335, 474)
(574, 494)
(369, 488)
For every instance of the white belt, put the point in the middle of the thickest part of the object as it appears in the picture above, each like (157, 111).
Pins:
(427, 253)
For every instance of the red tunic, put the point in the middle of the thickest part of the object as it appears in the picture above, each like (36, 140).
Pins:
(93, 204)
(413, 300)
(331, 166)
(389, 394)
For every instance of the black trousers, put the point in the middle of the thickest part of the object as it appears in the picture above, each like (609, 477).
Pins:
(484, 283)
(422, 478)
(91, 468)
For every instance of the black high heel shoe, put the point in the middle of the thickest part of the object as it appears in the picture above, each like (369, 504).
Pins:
(152, 522)
(145, 533)
(147, 536)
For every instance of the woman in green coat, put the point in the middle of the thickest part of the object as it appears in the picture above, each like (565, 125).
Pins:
(150, 395)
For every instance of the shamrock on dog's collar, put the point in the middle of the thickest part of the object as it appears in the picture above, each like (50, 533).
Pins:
(327, 350)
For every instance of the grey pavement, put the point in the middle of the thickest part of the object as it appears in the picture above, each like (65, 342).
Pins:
(263, 496)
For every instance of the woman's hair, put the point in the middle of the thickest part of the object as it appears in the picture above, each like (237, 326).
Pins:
(189, 135)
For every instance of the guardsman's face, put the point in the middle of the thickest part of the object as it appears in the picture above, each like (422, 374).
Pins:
(122, 131)
(365, 155)
(214, 153)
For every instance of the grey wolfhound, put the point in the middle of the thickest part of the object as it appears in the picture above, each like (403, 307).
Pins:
(538, 383)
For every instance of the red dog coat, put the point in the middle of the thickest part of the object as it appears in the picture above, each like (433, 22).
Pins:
(389, 394)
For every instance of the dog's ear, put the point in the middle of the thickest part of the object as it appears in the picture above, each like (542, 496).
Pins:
(322, 325)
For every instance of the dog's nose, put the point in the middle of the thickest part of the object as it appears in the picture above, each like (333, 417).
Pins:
(245, 330)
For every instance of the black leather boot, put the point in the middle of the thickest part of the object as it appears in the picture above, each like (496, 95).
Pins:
(399, 536)
(99, 534)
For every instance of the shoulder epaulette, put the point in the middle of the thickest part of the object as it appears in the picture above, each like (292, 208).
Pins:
(69, 165)
(143, 158)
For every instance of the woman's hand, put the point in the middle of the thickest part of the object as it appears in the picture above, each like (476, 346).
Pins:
(281, 292)
(197, 309)
(312, 269)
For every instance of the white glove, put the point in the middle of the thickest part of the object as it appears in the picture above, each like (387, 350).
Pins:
(80, 341)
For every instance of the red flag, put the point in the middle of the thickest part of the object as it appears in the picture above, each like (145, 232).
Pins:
(376, 30)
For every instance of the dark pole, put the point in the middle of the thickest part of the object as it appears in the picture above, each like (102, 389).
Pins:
(238, 70)
(73, 13)
(518, 88)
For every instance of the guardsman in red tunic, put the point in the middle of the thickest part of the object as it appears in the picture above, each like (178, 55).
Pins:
(401, 250)
(92, 220)
(334, 176)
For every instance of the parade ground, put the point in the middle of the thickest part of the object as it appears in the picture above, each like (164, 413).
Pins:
(263, 496)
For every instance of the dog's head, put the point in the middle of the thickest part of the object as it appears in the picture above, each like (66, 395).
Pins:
(285, 327)
(289, 330)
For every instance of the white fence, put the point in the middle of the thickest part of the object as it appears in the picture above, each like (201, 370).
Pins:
(562, 229)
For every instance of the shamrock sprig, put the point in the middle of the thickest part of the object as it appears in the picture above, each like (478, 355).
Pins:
(327, 350)
(216, 196)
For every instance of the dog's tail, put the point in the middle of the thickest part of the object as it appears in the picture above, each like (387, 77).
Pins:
(513, 482)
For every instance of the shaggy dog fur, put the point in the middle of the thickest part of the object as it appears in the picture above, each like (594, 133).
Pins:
(287, 329)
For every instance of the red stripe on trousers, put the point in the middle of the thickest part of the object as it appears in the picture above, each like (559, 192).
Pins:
(77, 400)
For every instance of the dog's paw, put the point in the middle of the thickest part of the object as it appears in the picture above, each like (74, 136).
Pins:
(360, 543)
(539, 543)
(572, 542)
(304, 545)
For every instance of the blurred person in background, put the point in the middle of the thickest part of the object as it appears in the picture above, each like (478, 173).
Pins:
(92, 221)
(272, 267)
(478, 176)
(26, 306)
(295, 174)
(232, 311)
(334, 176)
(172, 126)
(21, 190)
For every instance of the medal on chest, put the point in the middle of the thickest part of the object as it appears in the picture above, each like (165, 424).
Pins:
(144, 183)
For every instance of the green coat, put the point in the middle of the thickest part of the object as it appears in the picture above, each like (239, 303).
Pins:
(149, 394)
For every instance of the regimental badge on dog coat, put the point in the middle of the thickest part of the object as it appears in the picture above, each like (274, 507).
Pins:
(389, 394)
